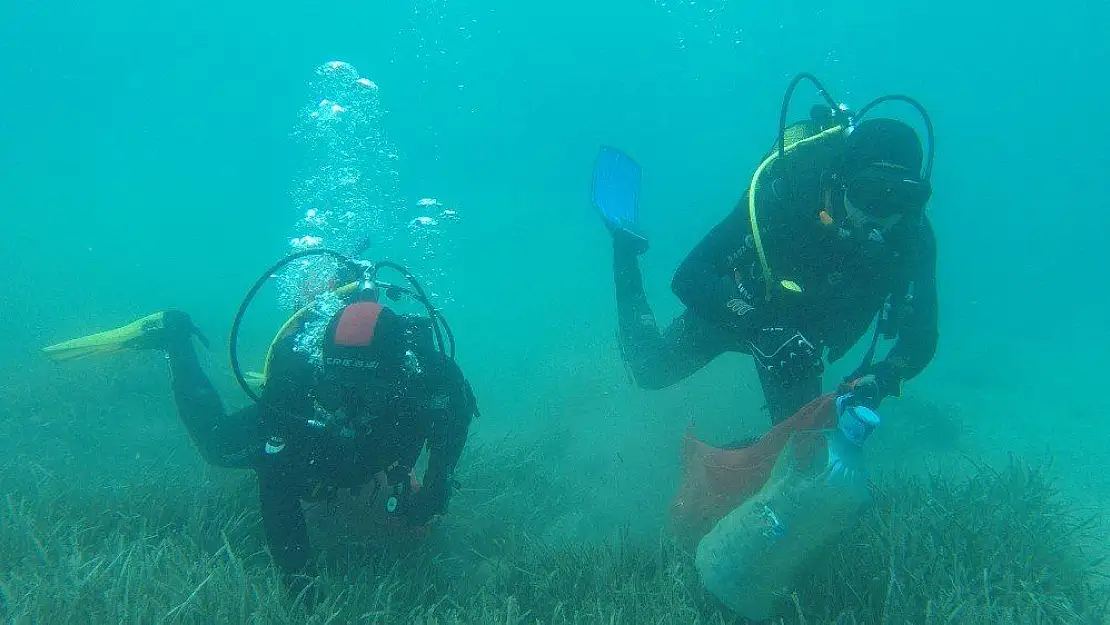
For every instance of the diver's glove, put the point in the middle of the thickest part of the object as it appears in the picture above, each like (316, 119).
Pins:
(426, 503)
(878, 382)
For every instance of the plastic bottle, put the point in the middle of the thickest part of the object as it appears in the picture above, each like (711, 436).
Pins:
(752, 556)
(844, 444)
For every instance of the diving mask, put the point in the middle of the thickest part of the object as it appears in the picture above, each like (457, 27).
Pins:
(883, 190)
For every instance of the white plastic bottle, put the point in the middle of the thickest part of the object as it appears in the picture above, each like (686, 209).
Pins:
(752, 556)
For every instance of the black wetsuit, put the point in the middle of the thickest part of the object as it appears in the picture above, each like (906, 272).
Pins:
(297, 451)
(843, 288)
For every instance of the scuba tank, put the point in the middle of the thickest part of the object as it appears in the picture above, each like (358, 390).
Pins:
(818, 489)
(367, 286)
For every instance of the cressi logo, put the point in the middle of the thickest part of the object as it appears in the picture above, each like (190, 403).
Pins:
(740, 307)
(351, 363)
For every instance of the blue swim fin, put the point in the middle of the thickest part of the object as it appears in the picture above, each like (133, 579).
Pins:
(616, 195)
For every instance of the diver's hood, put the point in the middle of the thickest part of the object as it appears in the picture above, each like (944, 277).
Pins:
(881, 168)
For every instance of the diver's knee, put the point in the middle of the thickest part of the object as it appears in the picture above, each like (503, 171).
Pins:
(228, 458)
(650, 378)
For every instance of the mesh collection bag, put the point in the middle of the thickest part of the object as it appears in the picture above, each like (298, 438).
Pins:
(716, 480)
(757, 514)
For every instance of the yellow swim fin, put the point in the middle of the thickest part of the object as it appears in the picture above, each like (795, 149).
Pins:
(150, 332)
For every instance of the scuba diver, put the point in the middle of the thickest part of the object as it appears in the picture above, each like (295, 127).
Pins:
(830, 233)
(351, 393)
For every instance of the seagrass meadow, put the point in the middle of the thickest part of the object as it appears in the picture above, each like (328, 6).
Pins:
(177, 543)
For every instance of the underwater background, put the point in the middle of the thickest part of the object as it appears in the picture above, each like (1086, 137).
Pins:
(157, 155)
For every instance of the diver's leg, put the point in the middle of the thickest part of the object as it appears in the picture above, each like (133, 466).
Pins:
(283, 522)
(225, 440)
(658, 360)
(785, 395)
(790, 368)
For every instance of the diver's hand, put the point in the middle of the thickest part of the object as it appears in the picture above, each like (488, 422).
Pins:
(873, 387)
(864, 391)
(426, 504)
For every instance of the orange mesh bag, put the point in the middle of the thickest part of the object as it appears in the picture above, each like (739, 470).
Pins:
(716, 480)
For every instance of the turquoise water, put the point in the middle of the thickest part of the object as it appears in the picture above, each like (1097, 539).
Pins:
(147, 161)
